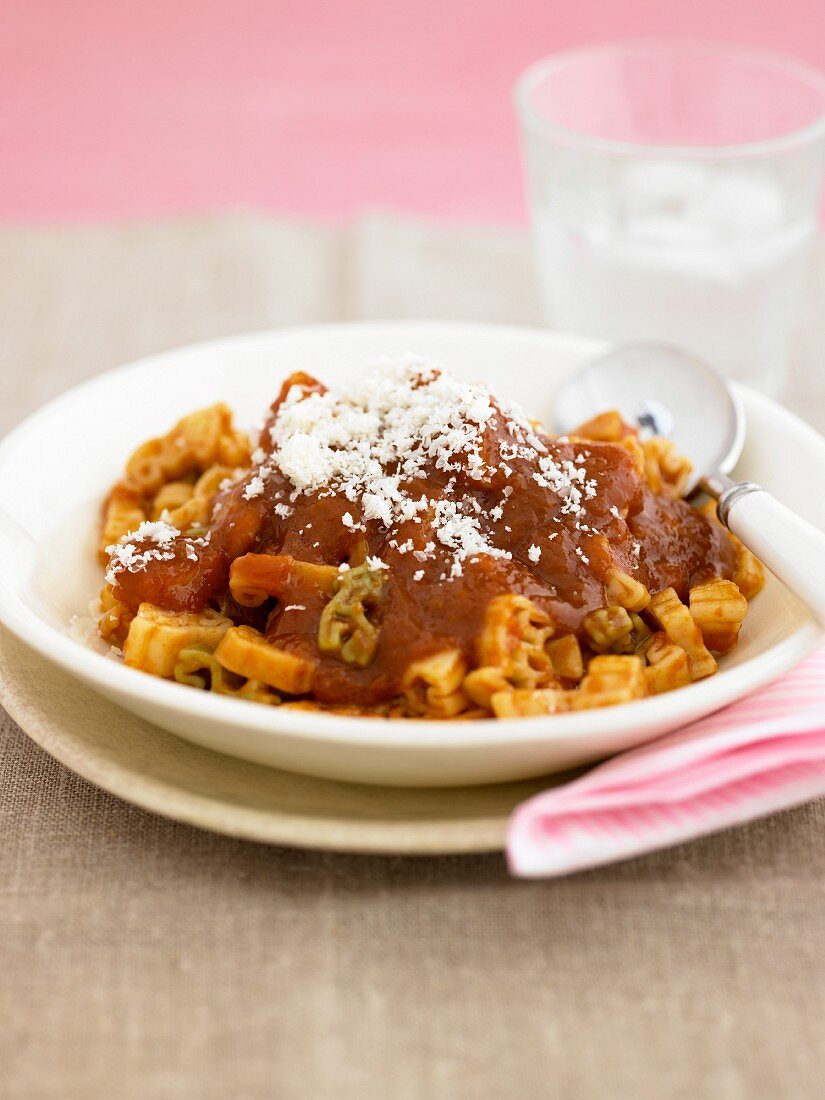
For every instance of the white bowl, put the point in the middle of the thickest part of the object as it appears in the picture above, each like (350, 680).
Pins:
(55, 469)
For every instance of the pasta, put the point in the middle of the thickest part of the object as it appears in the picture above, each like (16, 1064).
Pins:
(414, 547)
(156, 637)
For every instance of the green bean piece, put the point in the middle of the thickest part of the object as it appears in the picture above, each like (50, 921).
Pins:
(344, 629)
(198, 667)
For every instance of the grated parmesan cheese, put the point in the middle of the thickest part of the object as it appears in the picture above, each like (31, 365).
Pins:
(374, 443)
(350, 524)
(131, 554)
(125, 556)
(254, 487)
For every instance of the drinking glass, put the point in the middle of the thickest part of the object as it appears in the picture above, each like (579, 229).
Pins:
(674, 191)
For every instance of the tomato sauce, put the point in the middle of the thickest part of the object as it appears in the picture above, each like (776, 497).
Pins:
(423, 609)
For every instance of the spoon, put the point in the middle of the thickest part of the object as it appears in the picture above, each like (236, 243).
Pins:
(664, 391)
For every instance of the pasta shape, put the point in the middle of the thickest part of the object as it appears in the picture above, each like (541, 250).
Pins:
(566, 657)
(637, 639)
(749, 575)
(631, 444)
(669, 665)
(202, 439)
(607, 628)
(156, 637)
(247, 653)
(607, 427)
(610, 679)
(528, 704)
(123, 512)
(626, 591)
(718, 609)
(254, 578)
(483, 683)
(667, 472)
(678, 623)
(513, 639)
(195, 509)
(115, 618)
(170, 498)
(433, 685)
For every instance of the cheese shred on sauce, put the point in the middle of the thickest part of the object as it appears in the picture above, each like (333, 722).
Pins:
(381, 437)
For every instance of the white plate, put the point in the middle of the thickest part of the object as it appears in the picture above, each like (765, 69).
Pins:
(140, 762)
(55, 469)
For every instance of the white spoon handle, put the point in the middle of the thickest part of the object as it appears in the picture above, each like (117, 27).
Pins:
(792, 548)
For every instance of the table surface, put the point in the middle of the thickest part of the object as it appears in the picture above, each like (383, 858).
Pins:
(142, 957)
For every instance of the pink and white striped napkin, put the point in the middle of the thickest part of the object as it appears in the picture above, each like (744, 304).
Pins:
(762, 754)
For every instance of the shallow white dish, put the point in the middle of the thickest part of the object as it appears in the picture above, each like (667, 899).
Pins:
(56, 467)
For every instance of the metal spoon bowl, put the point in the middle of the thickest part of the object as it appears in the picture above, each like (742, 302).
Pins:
(662, 390)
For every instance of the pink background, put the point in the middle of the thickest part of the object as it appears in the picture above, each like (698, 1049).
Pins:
(111, 108)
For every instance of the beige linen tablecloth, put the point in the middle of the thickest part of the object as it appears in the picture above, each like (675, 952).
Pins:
(141, 958)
